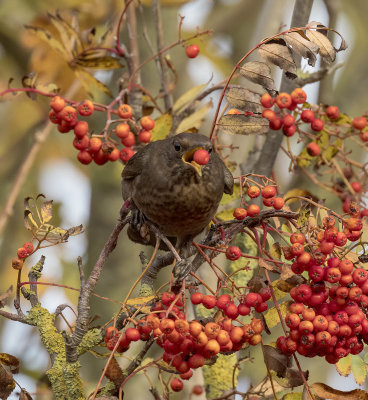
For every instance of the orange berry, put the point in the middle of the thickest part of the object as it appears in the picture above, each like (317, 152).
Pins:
(125, 111)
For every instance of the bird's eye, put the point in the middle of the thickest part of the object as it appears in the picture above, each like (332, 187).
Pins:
(210, 149)
(177, 146)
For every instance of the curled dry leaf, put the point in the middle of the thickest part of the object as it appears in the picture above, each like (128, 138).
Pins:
(7, 383)
(292, 378)
(326, 49)
(11, 361)
(324, 391)
(276, 360)
(277, 52)
(301, 45)
(258, 72)
(244, 99)
(4, 296)
(243, 124)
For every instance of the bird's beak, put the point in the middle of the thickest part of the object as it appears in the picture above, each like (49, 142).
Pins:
(188, 159)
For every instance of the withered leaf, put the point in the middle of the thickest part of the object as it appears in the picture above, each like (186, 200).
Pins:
(302, 46)
(10, 361)
(4, 296)
(244, 99)
(24, 395)
(46, 37)
(29, 221)
(278, 53)
(275, 250)
(114, 373)
(46, 210)
(291, 378)
(75, 230)
(243, 124)
(326, 49)
(266, 265)
(7, 383)
(286, 272)
(327, 392)
(276, 360)
(258, 72)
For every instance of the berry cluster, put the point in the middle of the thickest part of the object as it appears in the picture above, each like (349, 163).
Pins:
(104, 147)
(22, 253)
(187, 344)
(328, 315)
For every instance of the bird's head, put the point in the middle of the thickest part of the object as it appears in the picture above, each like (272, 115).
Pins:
(185, 144)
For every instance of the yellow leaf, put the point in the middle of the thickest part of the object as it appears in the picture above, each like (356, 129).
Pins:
(343, 366)
(46, 37)
(46, 211)
(293, 396)
(359, 369)
(88, 80)
(104, 62)
(291, 194)
(166, 2)
(194, 120)
(272, 316)
(162, 127)
(279, 294)
(138, 301)
(225, 215)
(228, 198)
(188, 97)
(275, 251)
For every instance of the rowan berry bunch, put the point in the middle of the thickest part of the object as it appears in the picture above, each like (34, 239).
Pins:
(188, 344)
(116, 142)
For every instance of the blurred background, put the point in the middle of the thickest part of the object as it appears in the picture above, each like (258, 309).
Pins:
(90, 195)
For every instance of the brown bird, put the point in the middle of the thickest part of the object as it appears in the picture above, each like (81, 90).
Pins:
(171, 190)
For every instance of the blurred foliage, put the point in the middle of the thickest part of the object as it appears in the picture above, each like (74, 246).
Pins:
(237, 25)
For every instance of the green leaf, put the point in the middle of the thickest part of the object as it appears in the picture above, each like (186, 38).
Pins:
(272, 316)
(359, 369)
(194, 120)
(343, 366)
(331, 151)
(162, 127)
(188, 97)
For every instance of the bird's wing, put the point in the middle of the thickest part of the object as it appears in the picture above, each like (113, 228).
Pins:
(228, 180)
(136, 164)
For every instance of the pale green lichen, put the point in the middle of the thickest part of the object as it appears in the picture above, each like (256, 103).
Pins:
(27, 293)
(108, 389)
(145, 290)
(203, 312)
(36, 270)
(64, 377)
(92, 338)
(219, 376)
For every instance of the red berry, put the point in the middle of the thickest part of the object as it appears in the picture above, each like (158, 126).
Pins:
(196, 298)
(29, 247)
(307, 116)
(81, 129)
(192, 51)
(209, 301)
(69, 115)
(317, 125)
(125, 111)
(289, 130)
(243, 309)
(114, 154)
(275, 124)
(313, 149)
(231, 311)
(176, 385)
(253, 210)
(268, 114)
(122, 130)
(253, 192)
(356, 186)
(126, 154)
(332, 112)
(268, 192)
(233, 253)
(201, 157)
(283, 100)
(95, 145)
(22, 253)
(359, 123)
(132, 334)
(147, 123)
(267, 101)
(57, 103)
(197, 389)
(100, 158)
(86, 108)
(298, 96)
(84, 157)
(129, 141)
(240, 213)
(297, 237)
(17, 263)
(223, 301)
(278, 203)
(53, 117)
(144, 136)
(288, 120)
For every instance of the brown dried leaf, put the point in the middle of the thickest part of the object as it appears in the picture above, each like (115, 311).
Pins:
(276, 360)
(29, 220)
(266, 265)
(7, 383)
(243, 124)
(292, 378)
(4, 296)
(258, 72)
(277, 52)
(114, 373)
(10, 361)
(327, 392)
(244, 99)
(286, 272)
(75, 230)
(46, 211)
(319, 37)
(302, 46)
(275, 251)
(24, 395)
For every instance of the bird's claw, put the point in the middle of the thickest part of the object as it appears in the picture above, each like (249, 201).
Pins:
(138, 224)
